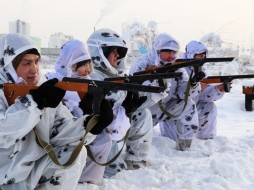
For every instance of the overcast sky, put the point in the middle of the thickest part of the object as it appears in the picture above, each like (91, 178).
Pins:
(183, 19)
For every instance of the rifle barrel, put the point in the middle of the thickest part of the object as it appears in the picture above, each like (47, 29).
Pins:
(186, 63)
(218, 59)
(231, 77)
(113, 86)
(142, 78)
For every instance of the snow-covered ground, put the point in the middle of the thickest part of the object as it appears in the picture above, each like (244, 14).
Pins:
(224, 163)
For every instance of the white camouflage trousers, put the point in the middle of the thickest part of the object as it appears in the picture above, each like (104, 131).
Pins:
(207, 115)
(47, 175)
(137, 145)
(100, 147)
(183, 125)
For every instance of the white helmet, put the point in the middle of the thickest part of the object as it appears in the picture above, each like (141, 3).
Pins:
(101, 43)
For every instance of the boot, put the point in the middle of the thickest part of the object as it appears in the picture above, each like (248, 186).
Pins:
(183, 144)
(134, 165)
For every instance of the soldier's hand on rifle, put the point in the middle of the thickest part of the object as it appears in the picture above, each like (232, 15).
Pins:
(106, 117)
(197, 78)
(203, 85)
(47, 95)
(220, 87)
(86, 104)
(132, 102)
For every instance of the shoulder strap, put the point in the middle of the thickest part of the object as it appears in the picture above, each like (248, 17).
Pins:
(185, 100)
(49, 148)
(90, 154)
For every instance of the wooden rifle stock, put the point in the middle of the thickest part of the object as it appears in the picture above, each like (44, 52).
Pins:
(226, 80)
(12, 91)
(211, 80)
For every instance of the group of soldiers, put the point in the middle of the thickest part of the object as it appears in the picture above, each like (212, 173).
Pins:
(51, 137)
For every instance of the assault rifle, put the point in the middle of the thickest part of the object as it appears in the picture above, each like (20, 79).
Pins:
(226, 80)
(82, 86)
(139, 79)
(180, 63)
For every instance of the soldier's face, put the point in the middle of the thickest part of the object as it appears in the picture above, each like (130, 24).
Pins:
(84, 70)
(112, 58)
(168, 56)
(200, 56)
(28, 68)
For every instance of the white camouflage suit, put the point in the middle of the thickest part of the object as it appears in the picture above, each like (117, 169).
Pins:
(185, 121)
(71, 53)
(207, 111)
(139, 140)
(24, 164)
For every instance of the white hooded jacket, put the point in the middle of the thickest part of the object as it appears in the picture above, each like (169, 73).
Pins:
(210, 93)
(19, 150)
(106, 38)
(71, 53)
(152, 58)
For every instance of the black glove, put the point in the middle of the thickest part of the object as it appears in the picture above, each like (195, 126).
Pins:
(47, 95)
(132, 102)
(197, 78)
(86, 104)
(106, 117)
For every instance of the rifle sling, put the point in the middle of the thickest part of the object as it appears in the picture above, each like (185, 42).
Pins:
(49, 148)
(90, 154)
(187, 91)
